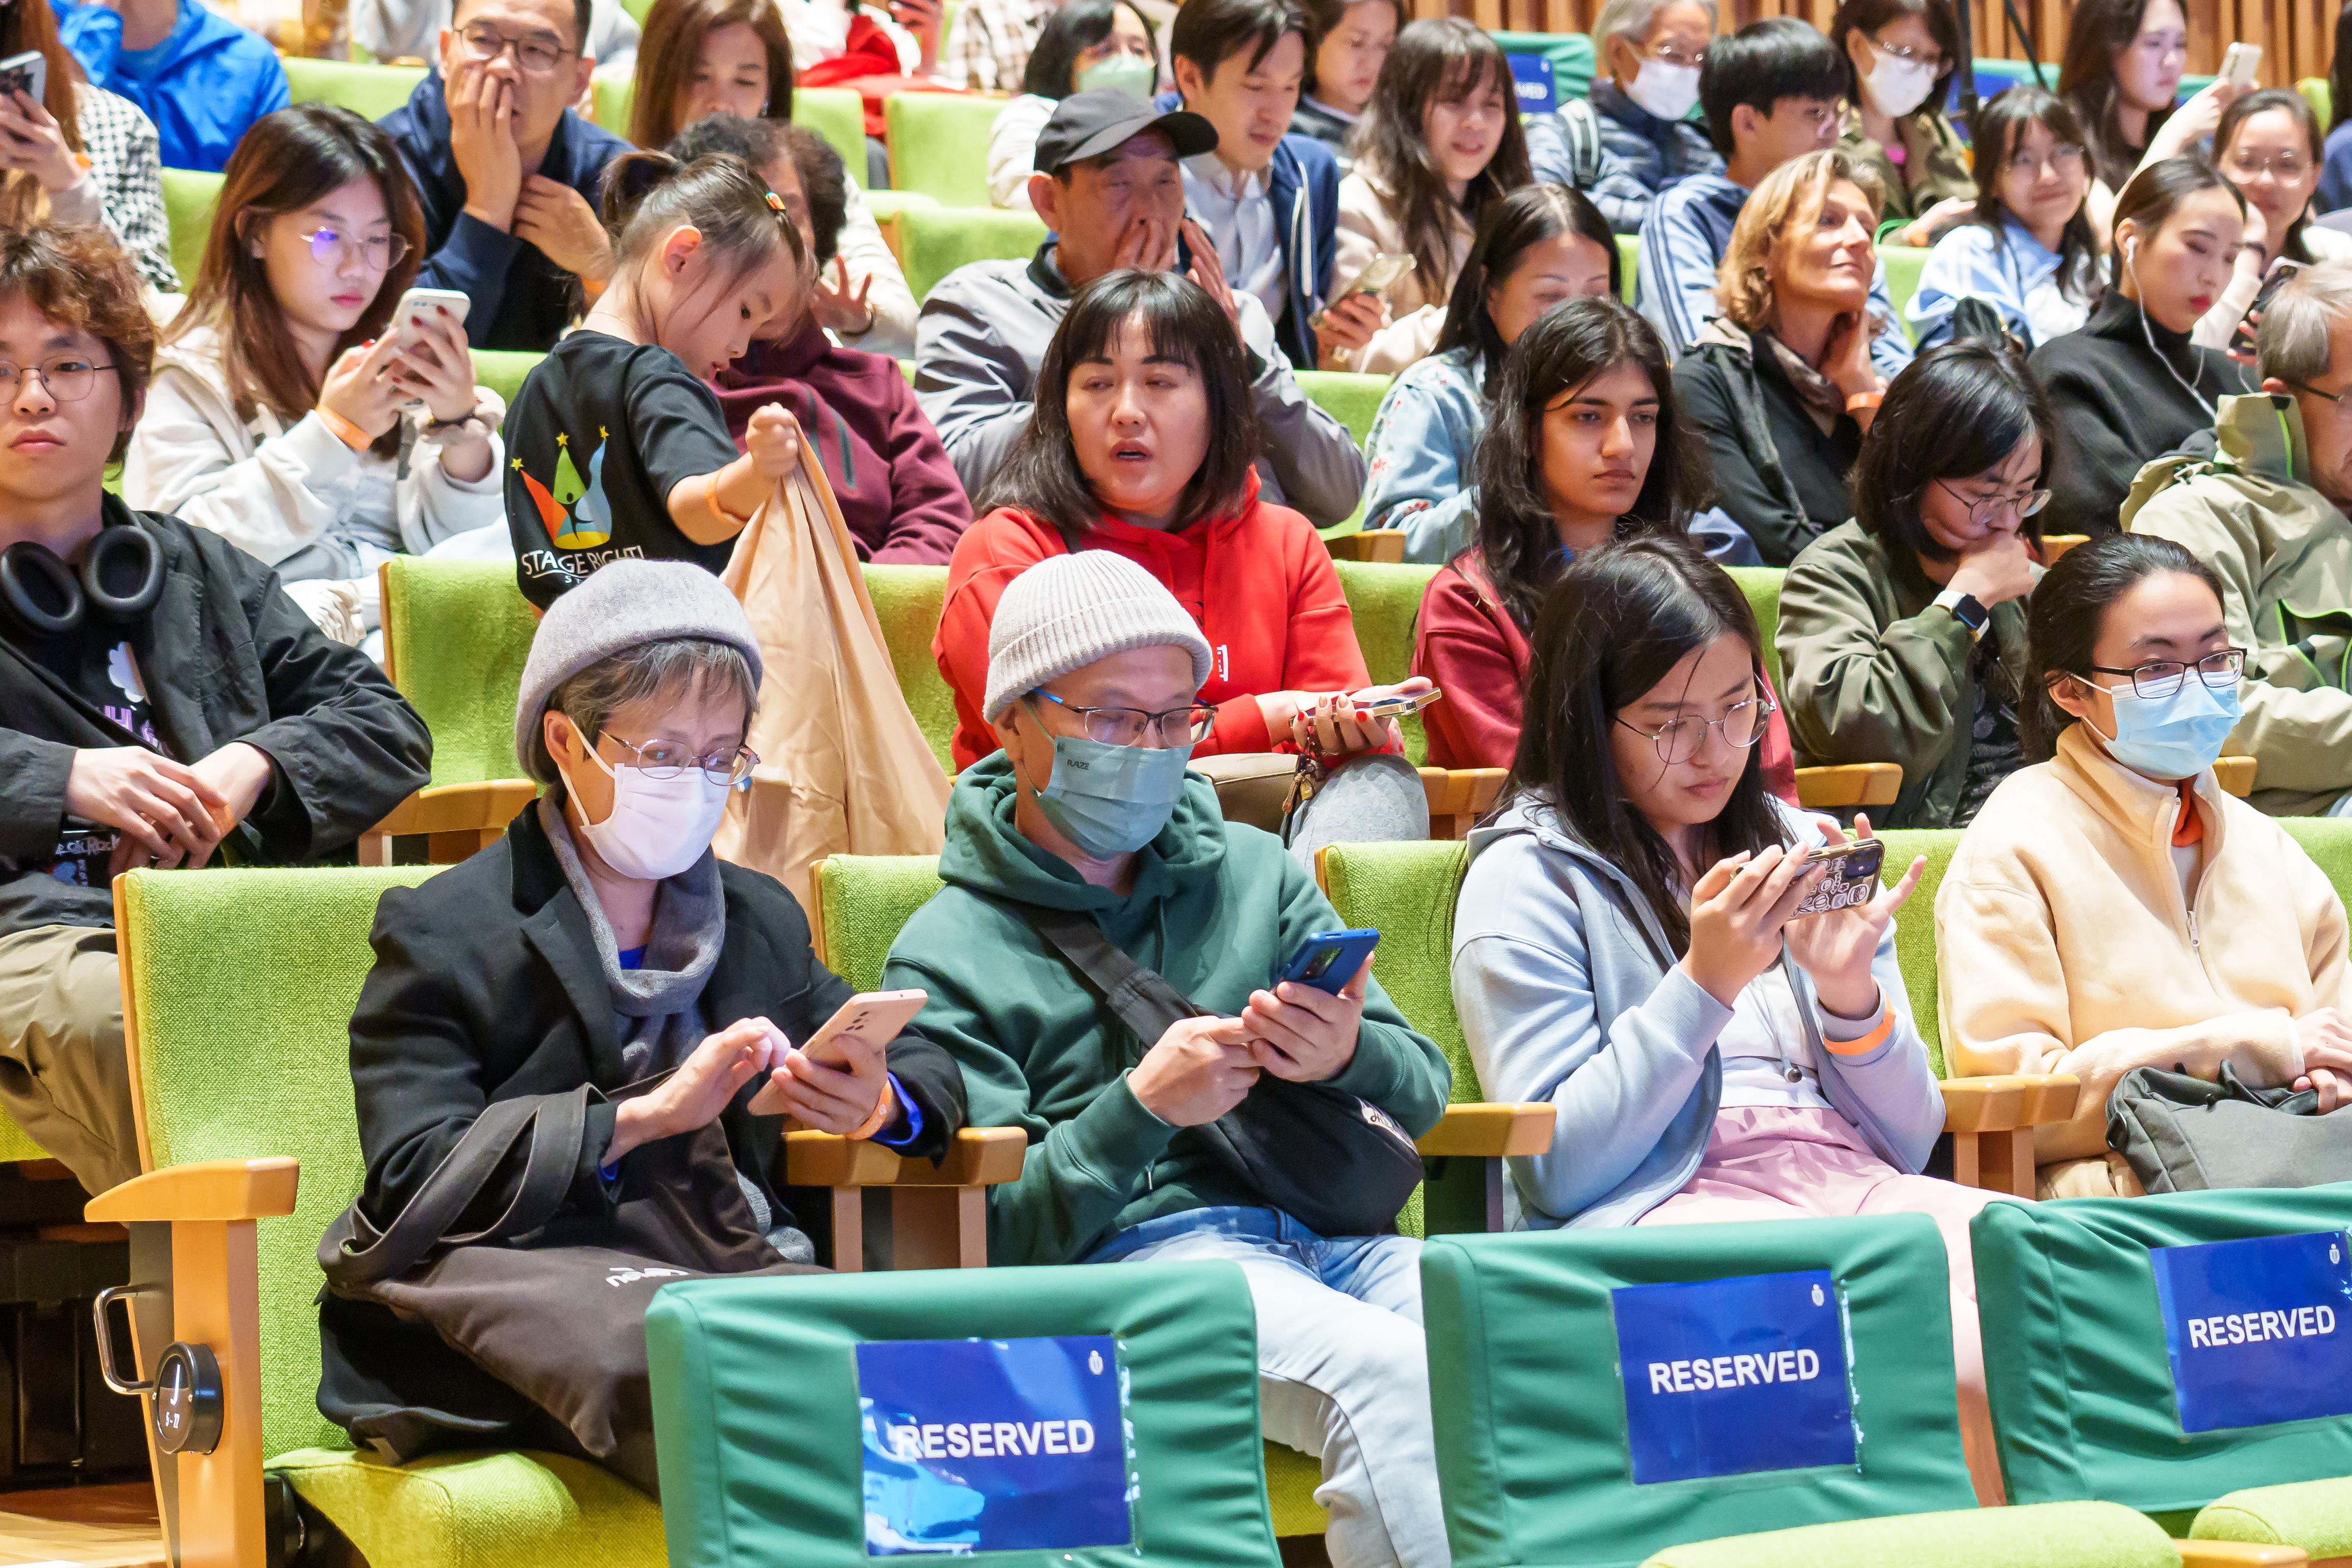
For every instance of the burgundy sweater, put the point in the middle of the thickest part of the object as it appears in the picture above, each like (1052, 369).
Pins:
(899, 493)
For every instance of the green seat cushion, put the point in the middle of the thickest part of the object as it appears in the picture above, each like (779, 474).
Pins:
(1629, 265)
(2328, 841)
(503, 369)
(756, 1411)
(1914, 927)
(938, 144)
(16, 1144)
(863, 902)
(2055, 1535)
(2321, 95)
(1384, 600)
(2075, 1363)
(935, 241)
(887, 204)
(612, 93)
(369, 92)
(1904, 264)
(837, 114)
(189, 197)
(1762, 586)
(242, 985)
(2314, 1515)
(1529, 1406)
(455, 635)
(908, 601)
(1349, 398)
(1291, 1478)
(480, 1510)
(1407, 891)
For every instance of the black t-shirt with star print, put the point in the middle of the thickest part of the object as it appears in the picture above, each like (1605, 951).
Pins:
(601, 433)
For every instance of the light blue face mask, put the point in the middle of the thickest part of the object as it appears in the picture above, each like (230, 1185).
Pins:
(1120, 73)
(2175, 737)
(1112, 800)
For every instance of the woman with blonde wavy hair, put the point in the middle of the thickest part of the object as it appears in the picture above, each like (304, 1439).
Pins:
(1780, 380)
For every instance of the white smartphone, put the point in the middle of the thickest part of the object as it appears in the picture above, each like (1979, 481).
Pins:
(2239, 62)
(864, 1026)
(413, 314)
(1388, 702)
(28, 73)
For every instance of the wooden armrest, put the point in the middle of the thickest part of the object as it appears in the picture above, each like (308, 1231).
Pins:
(207, 1190)
(459, 807)
(1490, 1129)
(1385, 544)
(978, 1157)
(2053, 545)
(1849, 784)
(1455, 792)
(2238, 1554)
(2235, 775)
(2006, 1103)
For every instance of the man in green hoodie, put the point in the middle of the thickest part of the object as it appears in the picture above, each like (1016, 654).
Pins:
(2266, 510)
(1094, 669)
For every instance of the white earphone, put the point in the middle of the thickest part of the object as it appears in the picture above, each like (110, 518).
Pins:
(2131, 253)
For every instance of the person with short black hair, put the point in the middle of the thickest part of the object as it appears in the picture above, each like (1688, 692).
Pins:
(1901, 56)
(1771, 92)
(1903, 631)
(1649, 57)
(197, 75)
(510, 176)
(1354, 37)
(1109, 187)
(162, 702)
(1086, 46)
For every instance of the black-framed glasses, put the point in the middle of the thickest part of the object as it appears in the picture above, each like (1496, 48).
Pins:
(2306, 386)
(67, 377)
(1185, 726)
(1985, 510)
(2161, 678)
(1679, 739)
(333, 247)
(538, 53)
(667, 760)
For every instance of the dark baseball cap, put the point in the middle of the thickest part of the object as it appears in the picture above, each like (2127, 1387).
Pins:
(1087, 124)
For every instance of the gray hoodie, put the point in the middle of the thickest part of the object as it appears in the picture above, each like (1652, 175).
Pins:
(1568, 993)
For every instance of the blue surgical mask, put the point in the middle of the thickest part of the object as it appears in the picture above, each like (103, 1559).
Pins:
(1112, 800)
(2175, 737)
(1120, 73)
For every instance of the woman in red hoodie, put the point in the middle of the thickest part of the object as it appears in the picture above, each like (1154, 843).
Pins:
(1139, 443)
(1584, 445)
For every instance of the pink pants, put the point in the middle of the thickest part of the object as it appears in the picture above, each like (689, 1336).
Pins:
(1776, 1162)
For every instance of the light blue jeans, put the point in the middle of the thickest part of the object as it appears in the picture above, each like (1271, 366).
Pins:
(1343, 1374)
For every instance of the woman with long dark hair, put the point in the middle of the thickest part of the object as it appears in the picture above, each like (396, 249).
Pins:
(1901, 56)
(1141, 444)
(1903, 632)
(2027, 250)
(1628, 947)
(1439, 143)
(1085, 45)
(1537, 247)
(2269, 146)
(2113, 906)
(79, 154)
(2121, 71)
(1585, 445)
(1354, 37)
(289, 413)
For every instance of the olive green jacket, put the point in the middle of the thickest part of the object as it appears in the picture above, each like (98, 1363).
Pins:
(1875, 672)
(1931, 148)
(2284, 556)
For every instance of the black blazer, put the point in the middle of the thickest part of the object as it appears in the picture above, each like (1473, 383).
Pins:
(487, 986)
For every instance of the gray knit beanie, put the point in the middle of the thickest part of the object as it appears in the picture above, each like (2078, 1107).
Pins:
(623, 606)
(1068, 611)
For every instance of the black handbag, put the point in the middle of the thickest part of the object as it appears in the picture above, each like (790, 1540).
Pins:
(2181, 1133)
(1337, 1163)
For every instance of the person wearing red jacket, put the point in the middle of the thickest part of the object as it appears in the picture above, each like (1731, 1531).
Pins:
(1585, 445)
(1119, 456)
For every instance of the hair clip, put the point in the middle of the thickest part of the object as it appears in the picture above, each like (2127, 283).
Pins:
(777, 201)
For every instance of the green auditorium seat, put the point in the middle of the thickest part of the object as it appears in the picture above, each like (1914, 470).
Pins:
(502, 370)
(1904, 264)
(1349, 398)
(2317, 93)
(908, 601)
(613, 91)
(1384, 599)
(837, 114)
(935, 241)
(938, 144)
(1831, 788)
(1569, 53)
(369, 92)
(189, 197)
(1629, 265)
(736, 1362)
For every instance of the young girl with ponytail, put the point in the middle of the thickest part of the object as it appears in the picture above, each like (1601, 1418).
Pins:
(620, 447)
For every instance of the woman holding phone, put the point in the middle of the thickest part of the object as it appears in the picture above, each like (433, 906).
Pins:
(290, 412)
(1628, 946)
(2269, 147)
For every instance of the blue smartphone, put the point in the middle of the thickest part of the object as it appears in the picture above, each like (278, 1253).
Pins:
(1329, 959)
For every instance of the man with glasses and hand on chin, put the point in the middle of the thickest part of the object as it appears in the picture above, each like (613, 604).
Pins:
(507, 170)
(2265, 505)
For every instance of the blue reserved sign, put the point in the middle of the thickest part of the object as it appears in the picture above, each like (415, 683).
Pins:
(1724, 1377)
(1538, 92)
(2258, 1331)
(994, 1445)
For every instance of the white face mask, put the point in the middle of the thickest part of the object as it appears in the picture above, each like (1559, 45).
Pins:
(1667, 91)
(658, 827)
(1896, 86)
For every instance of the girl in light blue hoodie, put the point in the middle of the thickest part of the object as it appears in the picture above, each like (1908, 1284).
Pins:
(1627, 947)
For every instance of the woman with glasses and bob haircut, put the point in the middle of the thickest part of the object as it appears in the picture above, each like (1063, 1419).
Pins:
(1140, 444)
(288, 413)
(1903, 630)
(2113, 906)
(1629, 946)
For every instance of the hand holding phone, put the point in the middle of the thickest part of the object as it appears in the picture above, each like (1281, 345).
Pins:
(1850, 876)
(1329, 959)
(1381, 274)
(1395, 701)
(28, 73)
(848, 1050)
(2239, 63)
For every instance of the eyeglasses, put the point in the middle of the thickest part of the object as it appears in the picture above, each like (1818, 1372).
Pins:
(2163, 676)
(1185, 726)
(1933, 58)
(668, 759)
(1679, 739)
(2305, 386)
(332, 248)
(537, 54)
(1822, 116)
(67, 377)
(2288, 166)
(1985, 511)
(1667, 54)
(2065, 158)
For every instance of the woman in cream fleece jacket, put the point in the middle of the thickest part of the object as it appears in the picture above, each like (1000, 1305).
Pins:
(2104, 914)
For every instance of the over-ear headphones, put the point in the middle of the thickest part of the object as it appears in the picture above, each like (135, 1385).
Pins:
(121, 578)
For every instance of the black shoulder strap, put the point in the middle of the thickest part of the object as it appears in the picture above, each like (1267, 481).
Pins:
(1141, 998)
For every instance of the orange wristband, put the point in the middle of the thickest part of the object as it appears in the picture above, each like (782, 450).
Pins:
(883, 1103)
(344, 430)
(1860, 401)
(711, 499)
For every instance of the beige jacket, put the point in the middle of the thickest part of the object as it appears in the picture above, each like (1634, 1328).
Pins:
(1370, 227)
(2063, 942)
